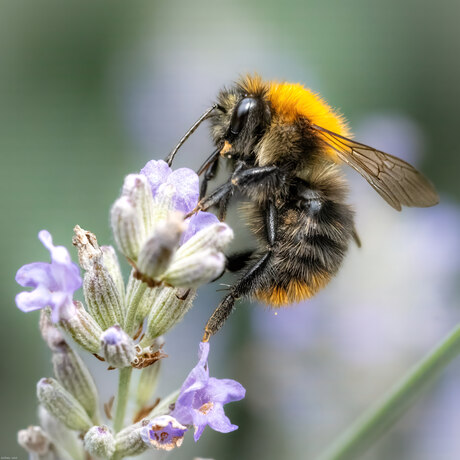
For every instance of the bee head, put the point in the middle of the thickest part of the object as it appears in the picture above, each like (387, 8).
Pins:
(240, 121)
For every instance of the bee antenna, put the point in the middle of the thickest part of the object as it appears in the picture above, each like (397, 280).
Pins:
(169, 159)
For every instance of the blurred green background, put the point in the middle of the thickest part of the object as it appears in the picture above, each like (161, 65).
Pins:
(90, 91)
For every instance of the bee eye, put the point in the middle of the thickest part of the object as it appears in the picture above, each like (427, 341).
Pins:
(240, 114)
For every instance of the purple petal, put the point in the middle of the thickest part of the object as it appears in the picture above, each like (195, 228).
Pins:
(157, 173)
(33, 300)
(198, 431)
(62, 310)
(218, 421)
(34, 274)
(54, 283)
(68, 276)
(197, 222)
(187, 193)
(199, 375)
(58, 254)
(224, 391)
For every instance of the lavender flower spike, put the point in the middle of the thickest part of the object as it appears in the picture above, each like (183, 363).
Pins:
(202, 398)
(54, 283)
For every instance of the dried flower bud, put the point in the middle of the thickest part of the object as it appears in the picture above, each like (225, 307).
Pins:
(99, 441)
(75, 377)
(158, 250)
(168, 308)
(59, 402)
(128, 442)
(110, 262)
(118, 347)
(83, 329)
(87, 246)
(195, 270)
(164, 432)
(103, 300)
(128, 227)
(34, 440)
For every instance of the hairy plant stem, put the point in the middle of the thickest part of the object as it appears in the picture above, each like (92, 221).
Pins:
(379, 418)
(122, 398)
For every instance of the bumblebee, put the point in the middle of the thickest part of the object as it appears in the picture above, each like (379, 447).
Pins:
(285, 145)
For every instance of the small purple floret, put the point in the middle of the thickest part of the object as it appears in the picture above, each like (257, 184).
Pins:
(186, 192)
(113, 335)
(163, 432)
(202, 398)
(54, 283)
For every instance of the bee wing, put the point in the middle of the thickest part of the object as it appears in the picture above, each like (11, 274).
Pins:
(397, 182)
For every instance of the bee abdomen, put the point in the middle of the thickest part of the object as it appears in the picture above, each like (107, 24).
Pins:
(312, 241)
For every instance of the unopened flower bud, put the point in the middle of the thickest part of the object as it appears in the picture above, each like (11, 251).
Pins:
(110, 262)
(99, 441)
(50, 333)
(118, 347)
(195, 270)
(65, 442)
(137, 189)
(83, 329)
(134, 293)
(34, 440)
(128, 442)
(168, 308)
(158, 250)
(164, 432)
(62, 405)
(163, 202)
(145, 302)
(103, 300)
(213, 237)
(128, 227)
(75, 377)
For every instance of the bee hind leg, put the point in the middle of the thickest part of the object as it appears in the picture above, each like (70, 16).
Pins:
(247, 282)
(242, 287)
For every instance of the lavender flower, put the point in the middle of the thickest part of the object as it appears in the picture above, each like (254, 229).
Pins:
(202, 398)
(54, 283)
(148, 226)
(184, 185)
(164, 432)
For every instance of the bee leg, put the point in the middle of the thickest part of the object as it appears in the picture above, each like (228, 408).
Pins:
(223, 205)
(238, 260)
(210, 173)
(215, 197)
(246, 283)
(254, 175)
(222, 312)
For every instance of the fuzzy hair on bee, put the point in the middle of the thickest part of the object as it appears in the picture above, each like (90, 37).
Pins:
(284, 146)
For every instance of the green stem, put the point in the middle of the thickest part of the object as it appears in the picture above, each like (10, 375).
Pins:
(122, 398)
(373, 423)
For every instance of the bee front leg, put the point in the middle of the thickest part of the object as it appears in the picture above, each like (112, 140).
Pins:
(215, 197)
(208, 175)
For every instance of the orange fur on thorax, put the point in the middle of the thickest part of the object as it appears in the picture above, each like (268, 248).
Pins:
(291, 100)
